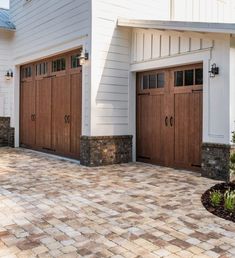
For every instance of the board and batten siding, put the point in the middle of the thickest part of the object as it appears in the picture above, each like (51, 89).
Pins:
(153, 44)
(6, 86)
(204, 11)
(111, 51)
(46, 28)
(153, 49)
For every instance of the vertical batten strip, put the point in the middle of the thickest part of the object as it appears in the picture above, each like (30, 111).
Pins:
(190, 44)
(179, 44)
(151, 45)
(143, 45)
(201, 43)
(169, 53)
(136, 38)
(160, 46)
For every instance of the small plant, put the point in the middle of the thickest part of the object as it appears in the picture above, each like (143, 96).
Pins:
(216, 197)
(229, 200)
(232, 161)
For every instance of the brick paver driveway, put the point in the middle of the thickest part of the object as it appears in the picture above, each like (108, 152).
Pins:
(55, 208)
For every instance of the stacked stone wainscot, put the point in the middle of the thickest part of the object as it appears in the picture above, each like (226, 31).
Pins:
(6, 132)
(215, 160)
(105, 150)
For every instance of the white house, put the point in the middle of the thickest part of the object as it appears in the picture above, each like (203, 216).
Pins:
(109, 82)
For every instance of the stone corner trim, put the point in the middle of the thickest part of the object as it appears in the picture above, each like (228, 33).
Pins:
(105, 150)
(215, 160)
(6, 132)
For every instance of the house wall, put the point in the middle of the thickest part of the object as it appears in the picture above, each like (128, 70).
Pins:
(111, 61)
(46, 28)
(204, 11)
(6, 86)
(232, 85)
(152, 49)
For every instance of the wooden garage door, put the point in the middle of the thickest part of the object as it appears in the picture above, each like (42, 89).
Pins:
(169, 116)
(51, 97)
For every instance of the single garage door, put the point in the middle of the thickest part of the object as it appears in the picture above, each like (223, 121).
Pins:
(51, 98)
(169, 116)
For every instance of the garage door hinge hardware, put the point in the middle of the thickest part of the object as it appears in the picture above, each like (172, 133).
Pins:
(139, 94)
(142, 157)
(50, 76)
(48, 149)
(198, 166)
(197, 90)
(33, 117)
(67, 119)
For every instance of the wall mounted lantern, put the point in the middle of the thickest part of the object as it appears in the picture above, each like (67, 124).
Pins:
(83, 57)
(214, 71)
(9, 74)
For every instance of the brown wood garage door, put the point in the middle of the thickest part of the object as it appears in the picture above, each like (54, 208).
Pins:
(169, 116)
(51, 98)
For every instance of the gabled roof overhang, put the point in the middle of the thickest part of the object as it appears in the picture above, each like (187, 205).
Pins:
(201, 27)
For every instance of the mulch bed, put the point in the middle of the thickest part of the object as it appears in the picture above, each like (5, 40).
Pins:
(219, 210)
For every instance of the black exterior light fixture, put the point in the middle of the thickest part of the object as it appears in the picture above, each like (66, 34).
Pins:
(9, 74)
(214, 70)
(83, 57)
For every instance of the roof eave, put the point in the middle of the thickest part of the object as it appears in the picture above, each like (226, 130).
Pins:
(179, 26)
(8, 29)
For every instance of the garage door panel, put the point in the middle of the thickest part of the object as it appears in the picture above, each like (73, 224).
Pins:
(27, 113)
(182, 127)
(51, 105)
(169, 116)
(195, 137)
(60, 109)
(144, 127)
(43, 125)
(158, 129)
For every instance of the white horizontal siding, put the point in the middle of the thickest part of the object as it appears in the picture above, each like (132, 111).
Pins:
(42, 24)
(111, 61)
(6, 87)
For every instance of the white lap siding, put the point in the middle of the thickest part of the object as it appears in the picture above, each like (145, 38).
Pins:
(111, 61)
(6, 86)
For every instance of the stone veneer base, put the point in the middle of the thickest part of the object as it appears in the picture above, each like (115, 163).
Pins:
(215, 160)
(105, 150)
(6, 132)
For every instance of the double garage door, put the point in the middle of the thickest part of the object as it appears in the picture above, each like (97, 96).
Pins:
(51, 97)
(169, 116)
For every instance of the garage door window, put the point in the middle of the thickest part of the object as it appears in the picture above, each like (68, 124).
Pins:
(153, 81)
(189, 77)
(58, 65)
(160, 80)
(199, 76)
(26, 72)
(75, 63)
(41, 69)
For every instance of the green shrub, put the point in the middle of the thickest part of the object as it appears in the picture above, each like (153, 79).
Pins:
(232, 158)
(229, 200)
(216, 197)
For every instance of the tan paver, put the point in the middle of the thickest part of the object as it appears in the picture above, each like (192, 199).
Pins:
(56, 208)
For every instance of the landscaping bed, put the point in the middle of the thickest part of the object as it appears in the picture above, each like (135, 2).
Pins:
(217, 200)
